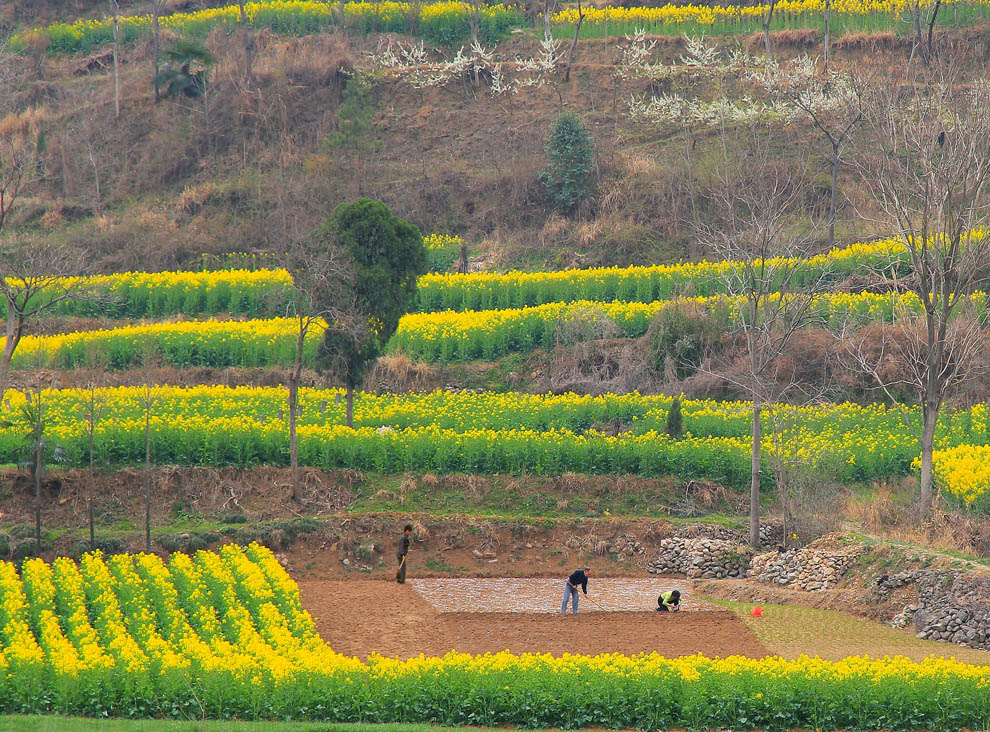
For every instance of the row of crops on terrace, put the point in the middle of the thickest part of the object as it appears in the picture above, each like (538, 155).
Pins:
(247, 292)
(450, 22)
(442, 337)
(444, 432)
(223, 635)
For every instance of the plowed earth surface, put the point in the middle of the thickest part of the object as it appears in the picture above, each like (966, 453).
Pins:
(361, 617)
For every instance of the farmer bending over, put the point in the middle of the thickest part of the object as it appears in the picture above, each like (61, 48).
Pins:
(580, 577)
(669, 602)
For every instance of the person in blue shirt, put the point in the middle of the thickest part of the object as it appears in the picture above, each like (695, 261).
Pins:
(578, 579)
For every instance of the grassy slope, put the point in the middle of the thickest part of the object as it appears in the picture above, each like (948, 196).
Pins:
(790, 631)
(194, 183)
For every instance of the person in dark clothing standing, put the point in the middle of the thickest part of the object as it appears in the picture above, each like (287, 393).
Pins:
(578, 579)
(403, 550)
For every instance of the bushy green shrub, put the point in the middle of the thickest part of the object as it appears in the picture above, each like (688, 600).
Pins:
(680, 337)
(571, 156)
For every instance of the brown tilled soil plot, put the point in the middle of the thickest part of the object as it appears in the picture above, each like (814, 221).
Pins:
(361, 617)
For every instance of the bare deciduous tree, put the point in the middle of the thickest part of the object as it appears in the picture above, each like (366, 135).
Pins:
(574, 41)
(33, 275)
(927, 168)
(923, 17)
(832, 101)
(248, 42)
(156, 43)
(755, 217)
(319, 296)
(115, 15)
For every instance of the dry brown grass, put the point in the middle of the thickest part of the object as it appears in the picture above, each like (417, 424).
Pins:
(397, 373)
(891, 511)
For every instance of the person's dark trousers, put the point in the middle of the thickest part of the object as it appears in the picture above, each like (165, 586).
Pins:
(663, 609)
(400, 573)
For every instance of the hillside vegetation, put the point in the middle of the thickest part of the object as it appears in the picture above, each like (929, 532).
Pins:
(609, 205)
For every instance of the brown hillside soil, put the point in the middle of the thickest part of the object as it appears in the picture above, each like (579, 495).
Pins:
(362, 617)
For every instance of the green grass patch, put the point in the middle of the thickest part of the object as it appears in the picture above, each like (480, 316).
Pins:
(793, 630)
(49, 723)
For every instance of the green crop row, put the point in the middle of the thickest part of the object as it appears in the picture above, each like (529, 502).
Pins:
(490, 291)
(440, 22)
(434, 337)
(266, 291)
(443, 432)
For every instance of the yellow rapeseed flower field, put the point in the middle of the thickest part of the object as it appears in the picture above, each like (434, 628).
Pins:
(225, 634)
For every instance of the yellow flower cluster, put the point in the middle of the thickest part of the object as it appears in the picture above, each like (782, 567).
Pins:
(253, 292)
(963, 472)
(135, 620)
(297, 17)
(488, 290)
(152, 294)
(217, 343)
(435, 336)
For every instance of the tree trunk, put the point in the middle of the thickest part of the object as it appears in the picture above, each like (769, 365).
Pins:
(15, 327)
(931, 27)
(147, 471)
(38, 447)
(574, 40)
(350, 407)
(475, 31)
(832, 195)
(919, 43)
(156, 42)
(115, 7)
(929, 417)
(767, 19)
(92, 478)
(828, 29)
(293, 445)
(248, 41)
(754, 488)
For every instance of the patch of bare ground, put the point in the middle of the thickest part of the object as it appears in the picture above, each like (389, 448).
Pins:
(363, 617)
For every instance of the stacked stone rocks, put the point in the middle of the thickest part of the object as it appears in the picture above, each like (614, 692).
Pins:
(952, 606)
(702, 558)
(817, 566)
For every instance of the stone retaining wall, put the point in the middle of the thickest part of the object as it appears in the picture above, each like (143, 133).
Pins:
(701, 558)
(952, 606)
(817, 566)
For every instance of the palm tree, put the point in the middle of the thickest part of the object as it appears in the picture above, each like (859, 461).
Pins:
(185, 73)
